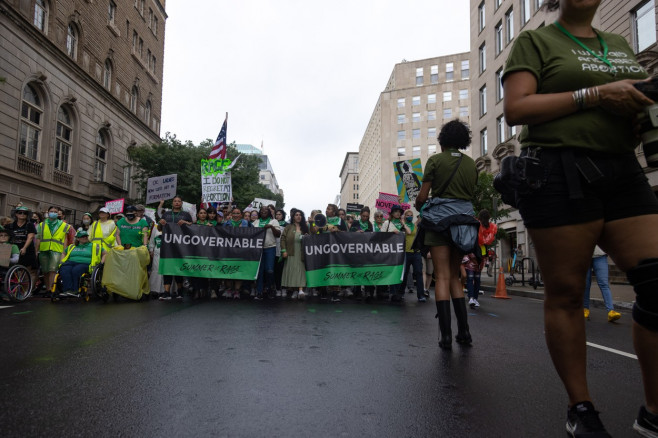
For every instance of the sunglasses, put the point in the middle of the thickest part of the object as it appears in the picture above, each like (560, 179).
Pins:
(21, 212)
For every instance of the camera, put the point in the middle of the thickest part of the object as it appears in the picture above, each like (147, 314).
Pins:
(649, 121)
(518, 175)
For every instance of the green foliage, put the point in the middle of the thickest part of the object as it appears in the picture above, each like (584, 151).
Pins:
(184, 159)
(486, 197)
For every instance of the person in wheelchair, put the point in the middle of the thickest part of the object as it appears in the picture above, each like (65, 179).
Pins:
(78, 259)
(14, 251)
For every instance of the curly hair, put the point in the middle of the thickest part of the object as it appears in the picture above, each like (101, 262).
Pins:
(551, 5)
(455, 134)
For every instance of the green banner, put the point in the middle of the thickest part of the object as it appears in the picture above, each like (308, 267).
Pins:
(337, 275)
(204, 268)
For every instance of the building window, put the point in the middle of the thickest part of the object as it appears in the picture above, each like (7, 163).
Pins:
(401, 152)
(140, 48)
(419, 76)
(483, 101)
(431, 133)
(500, 129)
(72, 41)
(431, 115)
(645, 26)
(401, 119)
(150, 18)
(497, 3)
(483, 58)
(107, 74)
(525, 12)
(463, 111)
(450, 71)
(537, 4)
(154, 26)
(463, 94)
(465, 69)
(415, 151)
(509, 24)
(431, 149)
(415, 100)
(401, 102)
(111, 11)
(499, 38)
(135, 38)
(153, 65)
(134, 94)
(126, 177)
(483, 142)
(41, 15)
(148, 59)
(512, 131)
(499, 85)
(431, 98)
(447, 113)
(481, 17)
(31, 111)
(415, 133)
(401, 135)
(447, 96)
(147, 113)
(434, 74)
(101, 156)
(63, 140)
(415, 117)
(141, 7)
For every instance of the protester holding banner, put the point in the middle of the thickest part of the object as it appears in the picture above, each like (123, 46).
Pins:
(132, 230)
(294, 271)
(253, 216)
(379, 221)
(202, 217)
(394, 224)
(103, 230)
(236, 220)
(453, 175)
(363, 225)
(212, 216)
(266, 270)
(156, 280)
(280, 216)
(413, 257)
(180, 217)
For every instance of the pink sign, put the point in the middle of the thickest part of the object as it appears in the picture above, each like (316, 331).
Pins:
(115, 206)
(388, 200)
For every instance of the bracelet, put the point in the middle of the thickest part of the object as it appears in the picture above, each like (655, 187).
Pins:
(586, 97)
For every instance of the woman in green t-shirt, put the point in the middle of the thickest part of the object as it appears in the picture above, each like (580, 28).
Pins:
(571, 86)
(132, 230)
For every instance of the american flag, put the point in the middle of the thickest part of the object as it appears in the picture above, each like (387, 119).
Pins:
(219, 148)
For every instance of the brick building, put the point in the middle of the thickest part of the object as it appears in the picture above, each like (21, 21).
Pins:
(81, 81)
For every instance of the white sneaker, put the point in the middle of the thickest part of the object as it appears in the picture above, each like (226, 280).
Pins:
(226, 294)
(481, 292)
(213, 295)
(475, 303)
(301, 295)
(295, 295)
(236, 294)
(253, 293)
(471, 302)
(314, 292)
(348, 292)
(278, 294)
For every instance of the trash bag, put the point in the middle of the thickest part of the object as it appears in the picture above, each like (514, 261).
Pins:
(125, 272)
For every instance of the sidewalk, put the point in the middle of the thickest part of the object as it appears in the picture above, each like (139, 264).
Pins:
(623, 295)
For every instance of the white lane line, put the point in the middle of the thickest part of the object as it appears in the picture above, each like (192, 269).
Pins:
(5, 307)
(612, 350)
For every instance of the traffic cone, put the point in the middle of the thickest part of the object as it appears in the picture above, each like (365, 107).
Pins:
(501, 288)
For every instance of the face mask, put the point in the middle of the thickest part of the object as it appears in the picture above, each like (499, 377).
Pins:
(130, 216)
(52, 215)
(86, 221)
(35, 221)
(409, 218)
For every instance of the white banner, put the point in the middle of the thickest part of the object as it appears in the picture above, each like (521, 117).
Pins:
(216, 188)
(257, 203)
(161, 188)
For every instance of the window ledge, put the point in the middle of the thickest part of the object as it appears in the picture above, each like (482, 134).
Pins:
(152, 76)
(137, 58)
(114, 29)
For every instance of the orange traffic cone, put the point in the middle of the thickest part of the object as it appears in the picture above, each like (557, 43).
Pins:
(501, 288)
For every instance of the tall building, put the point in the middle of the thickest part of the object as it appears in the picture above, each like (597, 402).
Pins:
(266, 174)
(81, 81)
(494, 27)
(349, 180)
(419, 97)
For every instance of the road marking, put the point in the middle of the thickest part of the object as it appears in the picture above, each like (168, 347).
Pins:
(612, 350)
(5, 307)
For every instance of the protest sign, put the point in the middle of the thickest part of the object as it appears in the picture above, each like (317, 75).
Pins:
(388, 200)
(353, 208)
(216, 180)
(353, 259)
(408, 177)
(211, 252)
(161, 188)
(150, 212)
(257, 203)
(191, 209)
(115, 206)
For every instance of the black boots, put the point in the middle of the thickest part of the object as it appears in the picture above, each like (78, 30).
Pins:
(463, 335)
(445, 328)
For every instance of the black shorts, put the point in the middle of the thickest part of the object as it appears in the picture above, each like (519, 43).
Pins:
(622, 191)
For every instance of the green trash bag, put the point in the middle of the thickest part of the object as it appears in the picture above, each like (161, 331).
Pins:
(124, 272)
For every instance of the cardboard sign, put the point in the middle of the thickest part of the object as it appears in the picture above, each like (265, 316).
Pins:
(115, 206)
(353, 208)
(191, 209)
(388, 200)
(161, 188)
(408, 177)
(257, 203)
(216, 183)
(150, 212)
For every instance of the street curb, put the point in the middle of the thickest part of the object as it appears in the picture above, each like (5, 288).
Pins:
(539, 295)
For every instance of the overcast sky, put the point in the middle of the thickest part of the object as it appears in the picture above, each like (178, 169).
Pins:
(302, 76)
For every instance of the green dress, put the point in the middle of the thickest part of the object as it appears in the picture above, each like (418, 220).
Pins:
(294, 271)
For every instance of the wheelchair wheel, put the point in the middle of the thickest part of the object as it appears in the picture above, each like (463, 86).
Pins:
(56, 290)
(96, 283)
(509, 281)
(18, 283)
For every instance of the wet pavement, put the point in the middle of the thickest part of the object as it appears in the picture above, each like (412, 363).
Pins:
(295, 369)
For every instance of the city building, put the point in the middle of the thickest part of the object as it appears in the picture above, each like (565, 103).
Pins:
(349, 180)
(494, 27)
(266, 174)
(419, 97)
(80, 82)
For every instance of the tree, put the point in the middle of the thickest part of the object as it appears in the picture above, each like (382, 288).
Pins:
(487, 197)
(184, 159)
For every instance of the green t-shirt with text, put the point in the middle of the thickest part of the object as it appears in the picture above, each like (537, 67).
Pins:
(132, 233)
(561, 65)
(438, 169)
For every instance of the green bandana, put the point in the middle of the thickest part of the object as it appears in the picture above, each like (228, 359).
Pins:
(236, 223)
(263, 222)
(364, 226)
(333, 220)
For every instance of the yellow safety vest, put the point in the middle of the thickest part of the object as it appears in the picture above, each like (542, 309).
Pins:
(96, 236)
(96, 252)
(53, 242)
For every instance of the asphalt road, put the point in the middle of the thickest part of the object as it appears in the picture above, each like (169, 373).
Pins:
(293, 369)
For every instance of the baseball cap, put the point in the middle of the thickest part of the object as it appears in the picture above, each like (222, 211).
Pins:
(104, 210)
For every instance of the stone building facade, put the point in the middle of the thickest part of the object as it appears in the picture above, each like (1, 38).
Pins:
(81, 81)
(349, 180)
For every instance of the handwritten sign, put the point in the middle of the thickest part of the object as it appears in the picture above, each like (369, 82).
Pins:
(160, 188)
(216, 181)
(115, 206)
(257, 203)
